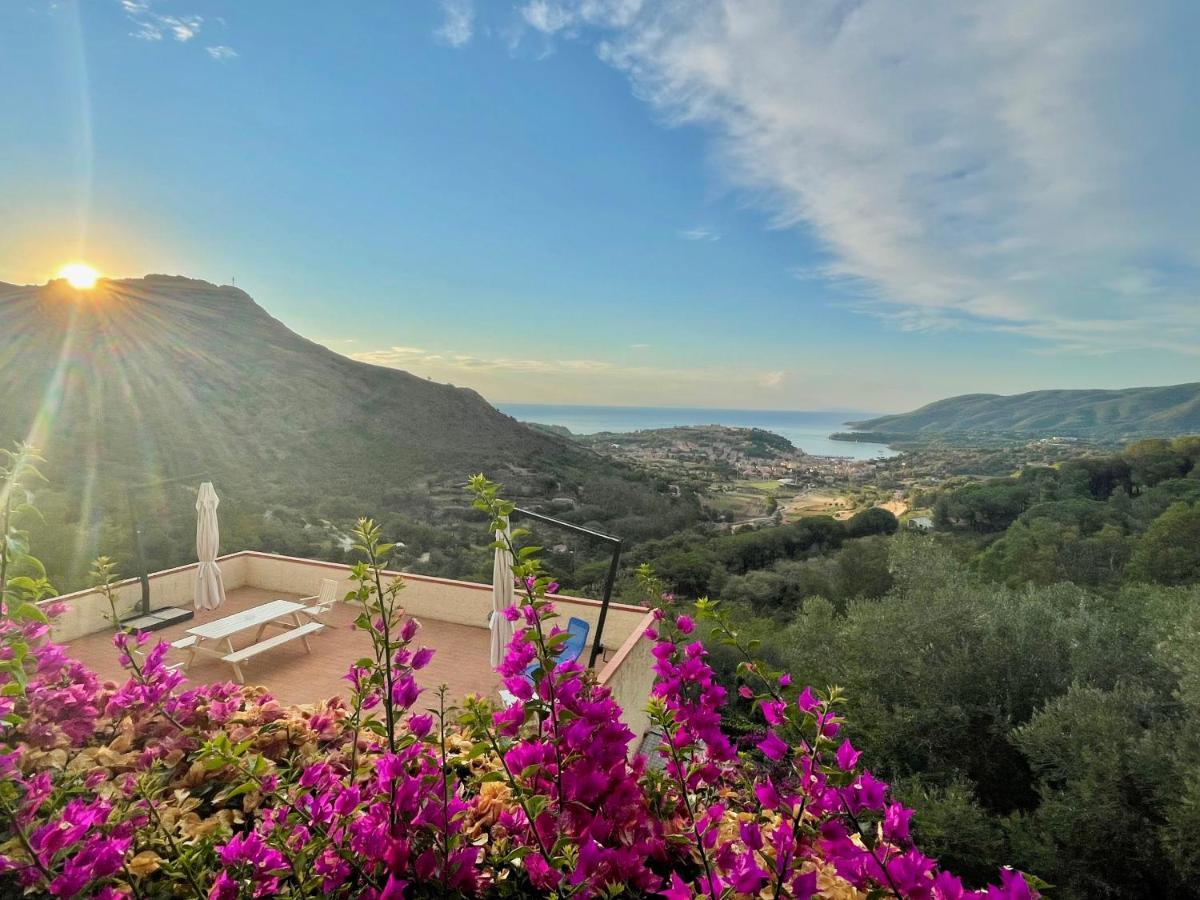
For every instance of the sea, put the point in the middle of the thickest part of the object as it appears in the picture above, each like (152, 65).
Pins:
(807, 430)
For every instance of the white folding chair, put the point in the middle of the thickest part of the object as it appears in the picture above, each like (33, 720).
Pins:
(325, 598)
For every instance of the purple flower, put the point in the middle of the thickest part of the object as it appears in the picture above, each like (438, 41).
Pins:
(847, 756)
(420, 725)
(685, 624)
(772, 746)
(678, 889)
(421, 658)
(807, 701)
(804, 886)
(895, 822)
(773, 711)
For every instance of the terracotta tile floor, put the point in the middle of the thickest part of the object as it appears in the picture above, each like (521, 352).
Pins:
(294, 676)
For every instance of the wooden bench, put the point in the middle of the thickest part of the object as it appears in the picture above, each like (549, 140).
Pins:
(238, 657)
(184, 642)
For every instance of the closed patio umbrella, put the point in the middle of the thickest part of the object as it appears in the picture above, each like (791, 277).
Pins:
(502, 599)
(210, 589)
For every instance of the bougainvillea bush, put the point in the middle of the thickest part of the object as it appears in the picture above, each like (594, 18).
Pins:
(153, 788)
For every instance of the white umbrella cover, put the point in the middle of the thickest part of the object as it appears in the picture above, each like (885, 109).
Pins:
(210, 589)
(502, 599)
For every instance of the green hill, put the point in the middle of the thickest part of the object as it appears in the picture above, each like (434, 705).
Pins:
(160, 377)
(1094, 414)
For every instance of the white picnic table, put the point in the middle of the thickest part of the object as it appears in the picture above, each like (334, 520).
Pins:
(215, 638)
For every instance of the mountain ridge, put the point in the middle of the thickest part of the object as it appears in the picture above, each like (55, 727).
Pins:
(142, 380)
(1083, 413)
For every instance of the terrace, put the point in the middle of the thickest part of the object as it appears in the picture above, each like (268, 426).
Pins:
(453, 617)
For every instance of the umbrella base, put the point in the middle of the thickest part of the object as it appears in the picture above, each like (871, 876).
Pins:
(160, 618)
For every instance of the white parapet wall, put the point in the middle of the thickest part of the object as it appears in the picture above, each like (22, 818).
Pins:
(88, 612)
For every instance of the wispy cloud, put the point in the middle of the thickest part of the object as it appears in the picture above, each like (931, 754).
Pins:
(151, 24)
(972, 165)
(484, 371)
(458, 24)
(700, 234)
(154, 26)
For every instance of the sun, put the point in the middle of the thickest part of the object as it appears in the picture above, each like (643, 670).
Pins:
(79, 275)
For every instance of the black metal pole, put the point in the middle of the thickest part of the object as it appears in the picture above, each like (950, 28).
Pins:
(139, 557)
(608, 589)
(609, 581)
(139, 553)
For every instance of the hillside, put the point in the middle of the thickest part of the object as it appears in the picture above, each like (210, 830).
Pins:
(1096, 414)
(160, 377)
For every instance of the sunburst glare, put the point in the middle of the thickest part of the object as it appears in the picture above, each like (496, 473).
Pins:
(79, 275)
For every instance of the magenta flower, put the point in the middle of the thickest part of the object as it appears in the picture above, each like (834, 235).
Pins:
(807, 701)
(678, 889)
(895, 822)
(772, 746)
(685, 624)
(420, 725)
(421, 658)
(773, 711)
(804, 886)
(847, 756)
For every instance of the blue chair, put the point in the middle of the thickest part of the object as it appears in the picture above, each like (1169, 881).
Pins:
(569, 650)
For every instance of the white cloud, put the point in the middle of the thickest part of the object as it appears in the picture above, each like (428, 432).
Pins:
(459, 23)
(465, 368)
(221, 53)
(152, 25)
(1023, 166)
(545, 16)
(700, 234)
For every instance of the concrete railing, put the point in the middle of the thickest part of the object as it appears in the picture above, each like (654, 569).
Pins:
(625, 666)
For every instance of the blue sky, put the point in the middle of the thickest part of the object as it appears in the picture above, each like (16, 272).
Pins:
(768, 204)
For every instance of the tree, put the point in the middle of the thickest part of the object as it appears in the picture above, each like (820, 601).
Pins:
(1169, 551)
(875, 520)
(1154, 460)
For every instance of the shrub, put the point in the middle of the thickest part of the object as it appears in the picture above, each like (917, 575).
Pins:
(144, 789)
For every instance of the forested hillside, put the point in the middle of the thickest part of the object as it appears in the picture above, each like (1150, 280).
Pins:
(142, 380)
(1096, 414)
(1028, 675)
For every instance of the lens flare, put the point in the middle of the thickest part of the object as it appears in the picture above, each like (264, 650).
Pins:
(79, 275)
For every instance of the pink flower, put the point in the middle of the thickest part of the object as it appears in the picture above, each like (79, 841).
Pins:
(847, 756)
(421, 658)
(807, 701)
(895, 822)
(685, 624)
(420, 725)
(678, 889)
(804, 886)
(772, 746)
(773, 711)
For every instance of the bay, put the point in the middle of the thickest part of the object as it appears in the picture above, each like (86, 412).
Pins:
(808, 430)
